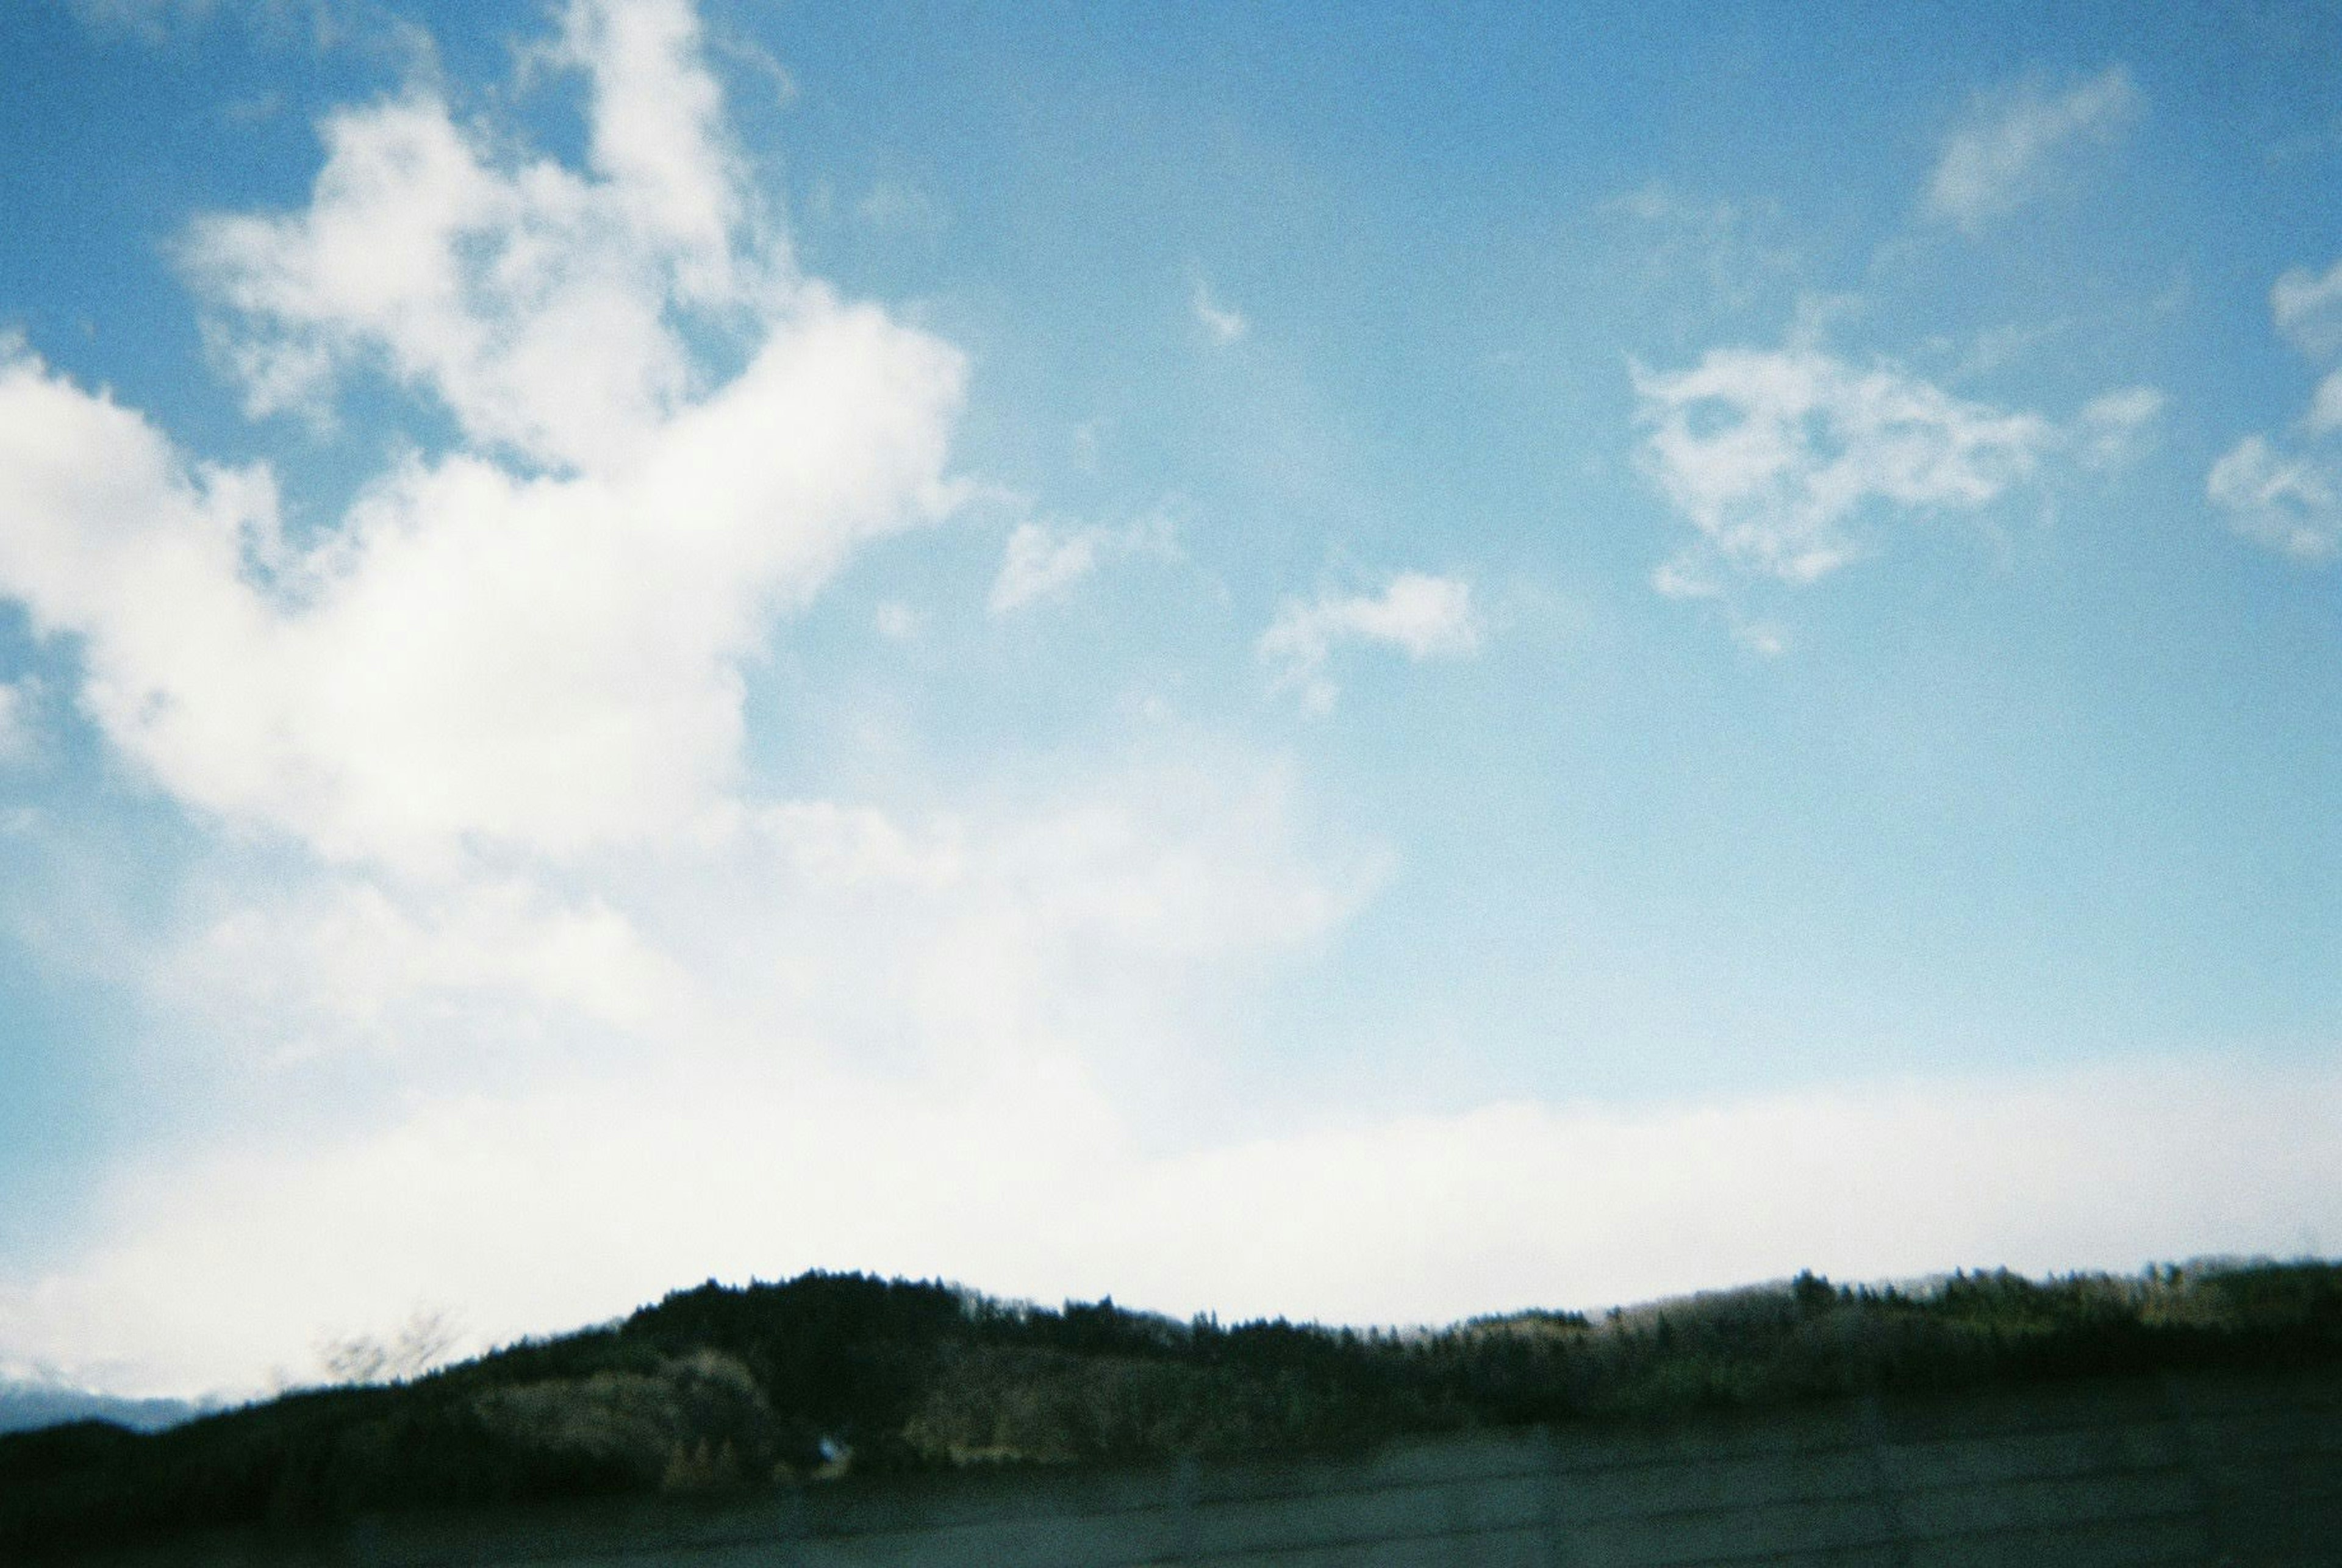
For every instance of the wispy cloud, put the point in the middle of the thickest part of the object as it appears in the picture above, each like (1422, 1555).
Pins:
(2288, 499)
(2285, 490)
(1222, 322)
(1776, 455)
(942, 991)
(15, 719)
(900, 206)
(2307, 309)
(1423, 616)
(1793, 462)
(1728, 247)
(2325, 415)
(1038, 564)
(1041, 561)
(2011, 151)
(2115, 429)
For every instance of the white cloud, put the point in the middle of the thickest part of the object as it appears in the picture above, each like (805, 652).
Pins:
(763, 1036)
(490, 970)
(484, 650)
(2011, 152)
(2290, 502)
(529, 897)
(2308, 310)
(1040, 562)
(1425, 616)
(2286, 492)
(1223, 324)
(1684, 579)
(571, 1202)
(1776, 456)
(811, 931)
(843, 1006)
(539, 303)
(896, 620)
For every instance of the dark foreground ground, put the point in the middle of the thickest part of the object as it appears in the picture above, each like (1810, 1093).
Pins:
(752, 1403)
(2229, 1468)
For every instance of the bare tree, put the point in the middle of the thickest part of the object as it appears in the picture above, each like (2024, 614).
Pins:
(413, 1348)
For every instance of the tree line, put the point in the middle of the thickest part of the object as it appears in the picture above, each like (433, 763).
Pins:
(827, 1374)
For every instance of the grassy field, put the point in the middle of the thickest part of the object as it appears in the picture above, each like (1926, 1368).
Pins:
(830, 1375)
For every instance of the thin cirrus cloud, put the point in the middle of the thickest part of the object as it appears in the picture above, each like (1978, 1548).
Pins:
(1422, 616)
(2284, 491)
(1786, 461)
(2012, 152)
(536, 639)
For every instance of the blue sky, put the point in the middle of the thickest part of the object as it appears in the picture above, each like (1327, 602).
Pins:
(1373, 662)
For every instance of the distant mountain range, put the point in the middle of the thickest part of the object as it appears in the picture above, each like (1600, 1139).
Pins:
(28, 1405)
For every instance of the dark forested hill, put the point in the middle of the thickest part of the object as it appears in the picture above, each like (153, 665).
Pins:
(784, 1384)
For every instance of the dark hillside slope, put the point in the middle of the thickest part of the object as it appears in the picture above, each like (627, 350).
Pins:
(720, 1389)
